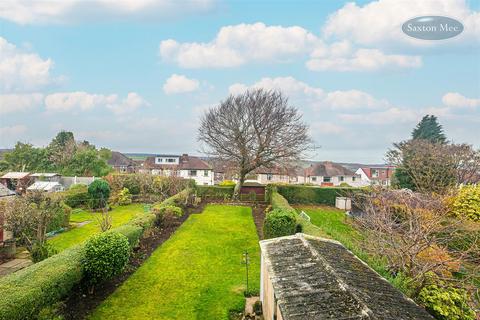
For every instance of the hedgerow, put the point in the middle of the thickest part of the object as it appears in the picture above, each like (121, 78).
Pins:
(215, 192)
(313, 195)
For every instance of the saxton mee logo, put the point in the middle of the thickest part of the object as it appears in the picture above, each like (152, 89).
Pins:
(432, 28)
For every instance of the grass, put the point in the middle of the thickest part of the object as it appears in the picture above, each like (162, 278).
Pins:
(196, 274)
(120, 215)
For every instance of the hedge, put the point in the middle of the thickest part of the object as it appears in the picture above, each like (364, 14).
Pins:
(76, 196)
(279, 223)
(27, 291)
(279, 202)
(314, 195)
(215, 192)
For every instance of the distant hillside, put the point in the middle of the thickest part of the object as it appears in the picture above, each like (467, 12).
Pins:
(139, 156)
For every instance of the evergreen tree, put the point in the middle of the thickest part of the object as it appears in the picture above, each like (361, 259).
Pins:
(429, 129)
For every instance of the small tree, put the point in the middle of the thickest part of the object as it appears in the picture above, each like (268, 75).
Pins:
(99, 191)
(255, 129)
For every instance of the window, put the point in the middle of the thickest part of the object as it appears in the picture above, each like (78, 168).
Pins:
(327, 179)
(170, 160)
(353, 178)
(192, 173)
(341, 178)
(269, 176)
(205, 173)
(314, 178)
(374, 173)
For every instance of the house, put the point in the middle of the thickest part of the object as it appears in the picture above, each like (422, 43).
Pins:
(305, 277)
(121, 163)
(184, 166)
(330, 174)
(376, 175)
(291, 175)
(16, 181)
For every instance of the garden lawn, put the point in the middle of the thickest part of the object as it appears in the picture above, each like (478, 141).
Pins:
(120, 215)
(196, 274)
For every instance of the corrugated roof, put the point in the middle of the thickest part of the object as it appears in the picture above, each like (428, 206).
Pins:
(44, 185)
(46, 174)
(315, 278)
(15, 175)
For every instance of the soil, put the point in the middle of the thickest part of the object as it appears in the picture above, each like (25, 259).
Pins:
(80, 303)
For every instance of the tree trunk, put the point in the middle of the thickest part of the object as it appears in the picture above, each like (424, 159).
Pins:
(238, 187)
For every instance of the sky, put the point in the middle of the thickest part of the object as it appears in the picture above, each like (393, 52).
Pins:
(136, 75)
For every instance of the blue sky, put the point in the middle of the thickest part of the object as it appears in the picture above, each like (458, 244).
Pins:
(135, 76)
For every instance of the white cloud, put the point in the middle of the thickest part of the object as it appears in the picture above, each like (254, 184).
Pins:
(10, 103)
(11, 133)
(456, 100)
(22, 71)
(236, 45)
(379, 22)
(302, 93)
(83, 101)
(386, 117)
(180, 84)
(360, 60)
(71, 11)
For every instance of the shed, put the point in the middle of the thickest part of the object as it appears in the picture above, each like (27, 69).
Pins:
(309, 278)
(17, 181)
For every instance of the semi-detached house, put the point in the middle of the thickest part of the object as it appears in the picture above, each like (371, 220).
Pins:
(184, 166)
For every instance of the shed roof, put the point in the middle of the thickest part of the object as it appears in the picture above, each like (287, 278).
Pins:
(44, 186)
(316, 278)
(44, 174)
(5, 192)
(15, 175)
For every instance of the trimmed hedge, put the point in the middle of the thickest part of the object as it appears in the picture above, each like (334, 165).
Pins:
(75, 197)
(314, 195)
(279, 202)
(215, 192)
(25, 292)
(279, 223)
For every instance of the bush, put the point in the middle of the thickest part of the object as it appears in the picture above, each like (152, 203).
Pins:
(132, 232)
(314, 195)
(168, 210)
(42, 251)
(99, 192)
(106, 255)
(446, 303)
(227, 183)
(143, 220)
(61, 218)
(467, 202)
(27, 291)
(279, 223)
(123, 197)
(216, 192)
(76, 196)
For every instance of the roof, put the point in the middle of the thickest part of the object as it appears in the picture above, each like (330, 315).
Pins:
(316, 278)
(15, 175)
(44, 185)
(388, 171)
(327, 169)
(118, 159)
(186, 162)
(5, 192)
(46, 174)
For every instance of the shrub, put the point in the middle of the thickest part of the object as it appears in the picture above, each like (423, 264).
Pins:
(143, 220)
(168, 210)
(76, 196)
(132, 232)
(314, 195)
(106, 255)
(123, 197)
(446, 303)
(61, 218)
(99, 191)
(467, 202)
(41, 251)
(279, 223)
(216, 192)
(27, 291)
(227, 183)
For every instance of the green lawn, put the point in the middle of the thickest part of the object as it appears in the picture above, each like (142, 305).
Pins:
(196, 274)
(120, 215)
(333, 223)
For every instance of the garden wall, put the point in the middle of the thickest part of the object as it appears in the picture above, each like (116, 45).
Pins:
(314, 195)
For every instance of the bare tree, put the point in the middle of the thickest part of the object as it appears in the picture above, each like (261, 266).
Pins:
(255, 129)
(417, 235)
(466, 162)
